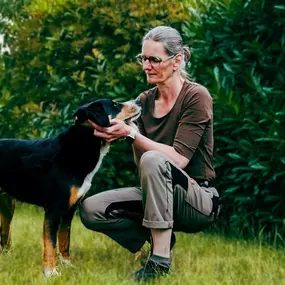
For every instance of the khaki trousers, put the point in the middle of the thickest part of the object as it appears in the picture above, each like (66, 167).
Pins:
(165, 199)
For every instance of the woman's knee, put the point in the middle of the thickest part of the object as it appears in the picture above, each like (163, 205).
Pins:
(91, 212)
(151, 160)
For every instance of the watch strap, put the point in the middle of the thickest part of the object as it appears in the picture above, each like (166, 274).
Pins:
(132, 134)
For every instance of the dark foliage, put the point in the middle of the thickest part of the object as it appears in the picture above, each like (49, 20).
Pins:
(238, 53)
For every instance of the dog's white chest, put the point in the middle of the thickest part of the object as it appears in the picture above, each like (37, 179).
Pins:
(88, 179)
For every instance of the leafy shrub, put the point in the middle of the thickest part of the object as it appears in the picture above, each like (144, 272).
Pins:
(69, 52)
(238, 53)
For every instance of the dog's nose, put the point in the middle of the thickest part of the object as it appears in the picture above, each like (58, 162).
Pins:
(138, 102)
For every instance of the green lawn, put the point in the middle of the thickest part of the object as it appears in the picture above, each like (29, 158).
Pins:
(197, 258)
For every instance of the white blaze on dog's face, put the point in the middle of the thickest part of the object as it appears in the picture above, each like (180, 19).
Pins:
(130, 111)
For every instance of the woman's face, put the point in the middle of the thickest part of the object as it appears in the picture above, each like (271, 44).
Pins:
(156, 73)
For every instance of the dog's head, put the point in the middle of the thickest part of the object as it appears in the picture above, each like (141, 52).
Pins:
(100, 111)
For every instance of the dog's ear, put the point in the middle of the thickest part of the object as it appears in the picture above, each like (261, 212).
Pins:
(95, 112)
(81, 114)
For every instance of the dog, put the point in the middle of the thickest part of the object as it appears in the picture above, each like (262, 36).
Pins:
(55, 173)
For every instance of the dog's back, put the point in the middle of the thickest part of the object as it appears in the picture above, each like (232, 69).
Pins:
(40, 171)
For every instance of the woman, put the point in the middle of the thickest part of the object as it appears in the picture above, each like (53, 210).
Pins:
(173, 149)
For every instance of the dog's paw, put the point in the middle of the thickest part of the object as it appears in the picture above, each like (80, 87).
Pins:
(65, 262)
(51, 272)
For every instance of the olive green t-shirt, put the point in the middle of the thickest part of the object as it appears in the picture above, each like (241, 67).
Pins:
(188, 127)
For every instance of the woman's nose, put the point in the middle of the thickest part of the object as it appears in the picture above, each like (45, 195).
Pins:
(147, 65)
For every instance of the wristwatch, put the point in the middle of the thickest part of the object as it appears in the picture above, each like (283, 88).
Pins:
(132, 134)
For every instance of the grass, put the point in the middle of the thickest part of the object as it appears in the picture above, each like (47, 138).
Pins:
(198, 259)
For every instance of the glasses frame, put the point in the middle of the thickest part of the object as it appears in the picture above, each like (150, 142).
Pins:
(141, 59)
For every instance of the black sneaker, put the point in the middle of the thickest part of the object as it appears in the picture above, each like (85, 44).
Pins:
(143, 257)
(151, 271)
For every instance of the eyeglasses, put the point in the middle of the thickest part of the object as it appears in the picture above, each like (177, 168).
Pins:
(153, 60)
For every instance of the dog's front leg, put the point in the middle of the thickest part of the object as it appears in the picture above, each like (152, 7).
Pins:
(64, 236)
(51, 225)
(7, 208)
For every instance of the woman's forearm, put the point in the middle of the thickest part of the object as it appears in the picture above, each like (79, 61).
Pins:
(142, 144)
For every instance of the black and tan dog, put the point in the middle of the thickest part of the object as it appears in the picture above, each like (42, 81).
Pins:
(55, 173)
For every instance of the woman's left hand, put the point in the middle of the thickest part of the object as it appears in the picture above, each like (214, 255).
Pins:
(117, 130)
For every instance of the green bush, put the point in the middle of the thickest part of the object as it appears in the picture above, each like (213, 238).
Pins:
(238, 53)
(69, 52)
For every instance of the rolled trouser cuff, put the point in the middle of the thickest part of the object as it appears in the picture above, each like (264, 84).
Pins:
(158, 225)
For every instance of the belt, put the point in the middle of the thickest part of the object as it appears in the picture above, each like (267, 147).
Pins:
(206, 183)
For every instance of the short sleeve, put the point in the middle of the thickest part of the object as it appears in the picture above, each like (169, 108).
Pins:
(196, 113)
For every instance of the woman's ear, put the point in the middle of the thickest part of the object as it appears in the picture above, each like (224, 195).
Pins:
(177, 61)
